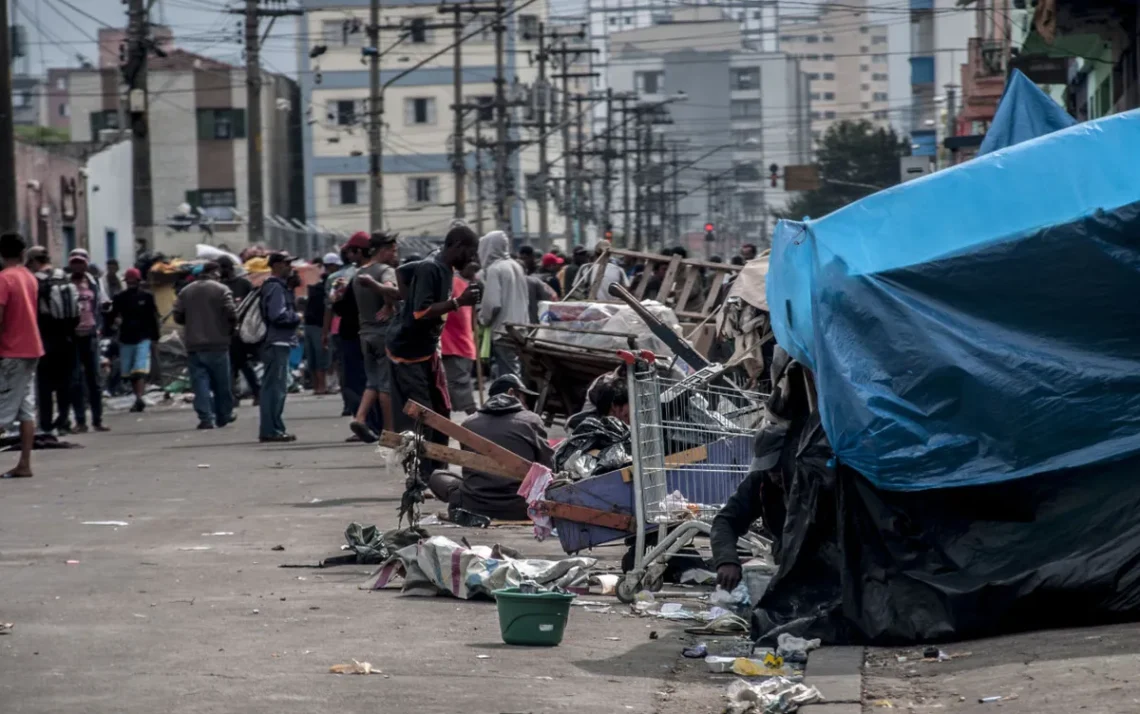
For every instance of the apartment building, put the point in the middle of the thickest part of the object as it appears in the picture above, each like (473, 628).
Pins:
(418, 122)
(845, 57)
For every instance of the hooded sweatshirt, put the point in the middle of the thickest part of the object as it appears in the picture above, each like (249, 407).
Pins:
(504, 285)
(505, 421)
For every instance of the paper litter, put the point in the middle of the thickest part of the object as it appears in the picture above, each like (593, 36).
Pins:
(778, 695)
(795, 649)
(354, 668)
(105, 523)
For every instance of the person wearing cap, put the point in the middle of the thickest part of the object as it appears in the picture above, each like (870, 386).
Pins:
(507, 421)
(506, 300)
(377, 297)
(86, 387)
(612, 273)
(342, 323)
(551, 265)
(281, 321)
(580, 257)
(316, 349)
(413, 335)
(242, 356)
(135, 310)
(205, 308)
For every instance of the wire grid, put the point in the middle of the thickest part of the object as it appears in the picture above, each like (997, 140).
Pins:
(700, 435)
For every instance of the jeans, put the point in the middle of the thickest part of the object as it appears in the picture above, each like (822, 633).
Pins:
(504, 357)
(53, 381)
(352, 386)
(210, 373)
(273, 385)
(85, 385)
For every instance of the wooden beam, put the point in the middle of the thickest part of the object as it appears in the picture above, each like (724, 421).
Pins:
(589, 516)
(691, 276)
(448, 455)
(666, 288)
(599, 273)
(714, 290)
(509, 461)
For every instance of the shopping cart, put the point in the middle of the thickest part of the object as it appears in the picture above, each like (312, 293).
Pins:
(691, 434)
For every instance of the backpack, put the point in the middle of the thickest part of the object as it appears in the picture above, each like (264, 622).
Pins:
(58, 297)
(251, 327)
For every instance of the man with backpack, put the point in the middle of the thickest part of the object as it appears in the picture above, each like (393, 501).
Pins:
(279, 309)
(57, 315)
(88, 389)
(242, 356)
(205, 308)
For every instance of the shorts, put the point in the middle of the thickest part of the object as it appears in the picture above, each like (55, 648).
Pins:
(377, 366)
(16, 385)
(134, 360)
(316, 356)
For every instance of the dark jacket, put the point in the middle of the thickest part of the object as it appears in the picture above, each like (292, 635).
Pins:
(280, 306)
(136, 308)
(206, 308)
(505, 421)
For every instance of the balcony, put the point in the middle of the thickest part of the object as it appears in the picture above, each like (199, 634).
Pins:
(983, 80)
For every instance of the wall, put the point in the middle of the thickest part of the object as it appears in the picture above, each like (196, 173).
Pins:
(109, 207)
(47, 167)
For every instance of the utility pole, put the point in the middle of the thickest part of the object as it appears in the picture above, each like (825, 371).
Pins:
(638, 181)
(501, 219)
(375, 125)
(478, 174)
(253, 15)
(568, 182)
(607, 159)
(543, 95)
(9, 216)
(663, 191)
(676, 195)
(135, 76)
(459, 161)
(625, 169)
(580, 171)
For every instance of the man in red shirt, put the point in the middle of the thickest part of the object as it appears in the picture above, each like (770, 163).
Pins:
(20, 347)
(457, 345)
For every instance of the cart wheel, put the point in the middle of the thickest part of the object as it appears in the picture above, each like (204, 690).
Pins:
(628, 588)
(654, 582)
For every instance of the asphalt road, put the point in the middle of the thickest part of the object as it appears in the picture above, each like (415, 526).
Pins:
(161, 615)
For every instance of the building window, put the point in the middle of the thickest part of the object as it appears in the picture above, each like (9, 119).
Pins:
(743, 79)
(63, 110)
(879, 77)
(864, 105)
(528, 27)
(111, 243)
(865, 87)
(813, 75)
(812, 58)
(829, 75)
(816, 115)
(788, 38)
(649, 82)
(221, 124)
(828, 38)
(811, 39)
(829, 58)
(878, 58)
(817, 135)
(864, 49)
(878, 40)
(613, 21)
(418, 33)
(864, 68)
(864, 29)
(829, 96)
(345, 192)
(879, 97)
(102, 121)
(423, 189)
(744, 137)
(419, 111)
(744, 108)
(756, 15)
(348, 32)
(880, 114)
(215, 203)
(815, 96)
(61, 83)
(662, 18)
(344, 112)
(629, 20)
(829, 115)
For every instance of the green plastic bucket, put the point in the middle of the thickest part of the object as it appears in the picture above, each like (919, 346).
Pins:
(535, 619)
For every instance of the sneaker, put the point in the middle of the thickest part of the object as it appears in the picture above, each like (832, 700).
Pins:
(138, 406)
(277, 439)
(228, 420)
(361, 429)
(100, 427)
(205, 425)
(79, 429)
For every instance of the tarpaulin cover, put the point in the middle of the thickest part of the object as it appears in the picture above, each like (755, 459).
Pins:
(976, 325)
(1025, 113)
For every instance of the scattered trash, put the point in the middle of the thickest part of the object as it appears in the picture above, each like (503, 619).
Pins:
(72, 562)
(106, 523)
(203, 466)
(719, 665)
(219, 533)
(432, 520)
(314, 500)
(988, 700)
(607, 582)
(603, 610)
(590, 603)
(884, 703)
(482, 656)
(353, 668)
(698, 576)
(614, 639)
(256, 611)
(778, 695)
(6, 627)
(653, 634)
(747, 667)
(372, 546)
(697, 651)
(197, 547)
(900, 659)
(931, 652)
(737, 598)
(278, 547)
(795, 649)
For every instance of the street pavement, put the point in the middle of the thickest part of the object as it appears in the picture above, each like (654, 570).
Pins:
(163, 615)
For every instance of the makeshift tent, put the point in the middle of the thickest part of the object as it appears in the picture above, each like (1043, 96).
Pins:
(1025, 113)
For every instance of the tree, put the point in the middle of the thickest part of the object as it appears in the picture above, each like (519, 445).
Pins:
(41, 134)
(855, 159)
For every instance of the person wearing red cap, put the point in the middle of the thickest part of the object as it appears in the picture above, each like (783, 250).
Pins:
(551, 264)
(135, 310)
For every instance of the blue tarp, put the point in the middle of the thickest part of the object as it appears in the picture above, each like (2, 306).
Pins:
(1025, 113)
(978, 324)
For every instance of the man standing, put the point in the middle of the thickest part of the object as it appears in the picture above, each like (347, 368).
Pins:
(342, 323)
(20, 347)
(413, 336)
(206, 309)
(58, 312)
(748, 252)
(281, 320)
(316, 350)
(377, 296)
(506, 299)
(87, 387)
(110, 283)
(505, 420)
(528, 258)
(612, 273)
(457, 345)
(241, 354)
(138, 330)
(569, 274)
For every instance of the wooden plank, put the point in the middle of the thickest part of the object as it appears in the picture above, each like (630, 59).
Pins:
(510, 462)
(691, 276)
(714, 290)
(694, 455)
(719, 267)
(643, 280)
(666, 288)
(589, 516)
(448, 455)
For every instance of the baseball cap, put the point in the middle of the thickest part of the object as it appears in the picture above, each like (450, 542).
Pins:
(551, 259)
(280, 257)
(382, 238)
(132, 274)
(507, 382)
(580, 249)
(332, 259)
(359, 239)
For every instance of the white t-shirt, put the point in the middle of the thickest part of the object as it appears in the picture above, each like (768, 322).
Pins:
(613, 274)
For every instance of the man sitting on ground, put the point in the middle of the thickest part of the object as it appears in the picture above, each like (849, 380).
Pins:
(505, 420)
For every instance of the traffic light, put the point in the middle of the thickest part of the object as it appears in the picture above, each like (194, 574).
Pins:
(710, 232)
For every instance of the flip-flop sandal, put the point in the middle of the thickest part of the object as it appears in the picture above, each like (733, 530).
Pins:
(10, 474)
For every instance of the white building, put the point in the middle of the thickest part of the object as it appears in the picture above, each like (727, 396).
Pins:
(418, 122)
(110, 205)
